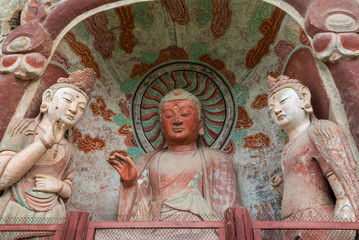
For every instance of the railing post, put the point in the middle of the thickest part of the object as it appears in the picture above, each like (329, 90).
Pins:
(257, 234)
(230, 224)
(247, 224)
(76, 225)
(238, 224)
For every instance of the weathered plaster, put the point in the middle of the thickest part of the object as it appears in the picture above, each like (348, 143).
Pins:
(96, 185)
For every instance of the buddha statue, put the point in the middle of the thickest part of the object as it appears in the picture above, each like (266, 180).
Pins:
(183, 181)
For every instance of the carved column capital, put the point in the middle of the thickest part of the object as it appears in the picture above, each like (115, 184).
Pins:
(333, 26)
(330, 46)
(25, 51)
(332, 16)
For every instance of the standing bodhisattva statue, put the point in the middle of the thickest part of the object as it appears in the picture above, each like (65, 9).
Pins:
(37, 159)
(319, 177)
(183, 181)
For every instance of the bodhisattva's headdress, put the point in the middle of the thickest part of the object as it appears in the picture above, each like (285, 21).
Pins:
(276, 84)
(281, 82)
(80, 80)
(181, 94)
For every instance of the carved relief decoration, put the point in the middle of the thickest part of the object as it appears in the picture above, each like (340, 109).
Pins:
(222, 15)
(99, 109)
(257, 141)
(244, 121)
(331, 47)
(87, 144)
(177, 10)
(61, 59)
(124, 130)
(269, 28)
(103, 38)
(282, 50)
(127, 25)
(199, 79)
(260, 102)
(81, 50)
(304, 38)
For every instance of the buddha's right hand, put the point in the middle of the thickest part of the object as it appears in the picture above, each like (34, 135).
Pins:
(54, 133)
(125, 167)
(275, 180)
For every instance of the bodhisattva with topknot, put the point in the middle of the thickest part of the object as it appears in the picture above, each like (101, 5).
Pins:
(37, 159)
(316, 162)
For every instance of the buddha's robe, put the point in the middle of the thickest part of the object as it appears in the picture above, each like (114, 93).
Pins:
(199, 190)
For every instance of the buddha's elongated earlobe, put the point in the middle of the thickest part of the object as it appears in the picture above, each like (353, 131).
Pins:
(201, 128)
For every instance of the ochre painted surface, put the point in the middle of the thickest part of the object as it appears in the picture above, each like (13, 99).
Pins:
(255, 158)
(156, 43)
(15, 88)
(300, 66)
(252, 40)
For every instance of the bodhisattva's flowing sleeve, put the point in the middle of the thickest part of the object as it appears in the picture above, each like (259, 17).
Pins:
(336, 157)
(15, 140)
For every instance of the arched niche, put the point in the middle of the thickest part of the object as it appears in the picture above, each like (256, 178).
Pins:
(251, 40)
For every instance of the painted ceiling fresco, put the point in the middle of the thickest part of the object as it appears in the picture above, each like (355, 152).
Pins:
(222, 51)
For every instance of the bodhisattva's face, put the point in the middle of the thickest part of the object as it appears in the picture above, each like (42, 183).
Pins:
(180, 122)
(68, 105)
(286, 109)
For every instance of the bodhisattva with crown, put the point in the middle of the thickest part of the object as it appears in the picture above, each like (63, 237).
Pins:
(183, 181)
(36, 157)
(316, 162)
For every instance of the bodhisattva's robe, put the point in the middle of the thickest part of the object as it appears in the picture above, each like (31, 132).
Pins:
(317, 153)
(20, 203)
(192, 193)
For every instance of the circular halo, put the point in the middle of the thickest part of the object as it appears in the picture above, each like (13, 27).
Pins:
(198, 78)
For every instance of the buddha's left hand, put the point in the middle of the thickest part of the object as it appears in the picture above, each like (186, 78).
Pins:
(47, 183)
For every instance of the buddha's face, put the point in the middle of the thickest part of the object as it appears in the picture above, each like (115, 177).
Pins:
(180, 122)
(287, 109)
(68, 105)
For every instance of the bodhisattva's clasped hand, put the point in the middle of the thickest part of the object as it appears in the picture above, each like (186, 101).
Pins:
(54, 133)
(125, 167)
(47, 183)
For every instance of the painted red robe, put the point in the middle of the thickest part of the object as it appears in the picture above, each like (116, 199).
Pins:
(202, 192)
(318, 152)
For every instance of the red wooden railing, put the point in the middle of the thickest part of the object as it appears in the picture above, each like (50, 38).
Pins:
(220, 225)
(236, 226)
(58, 229)
(258, 226)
